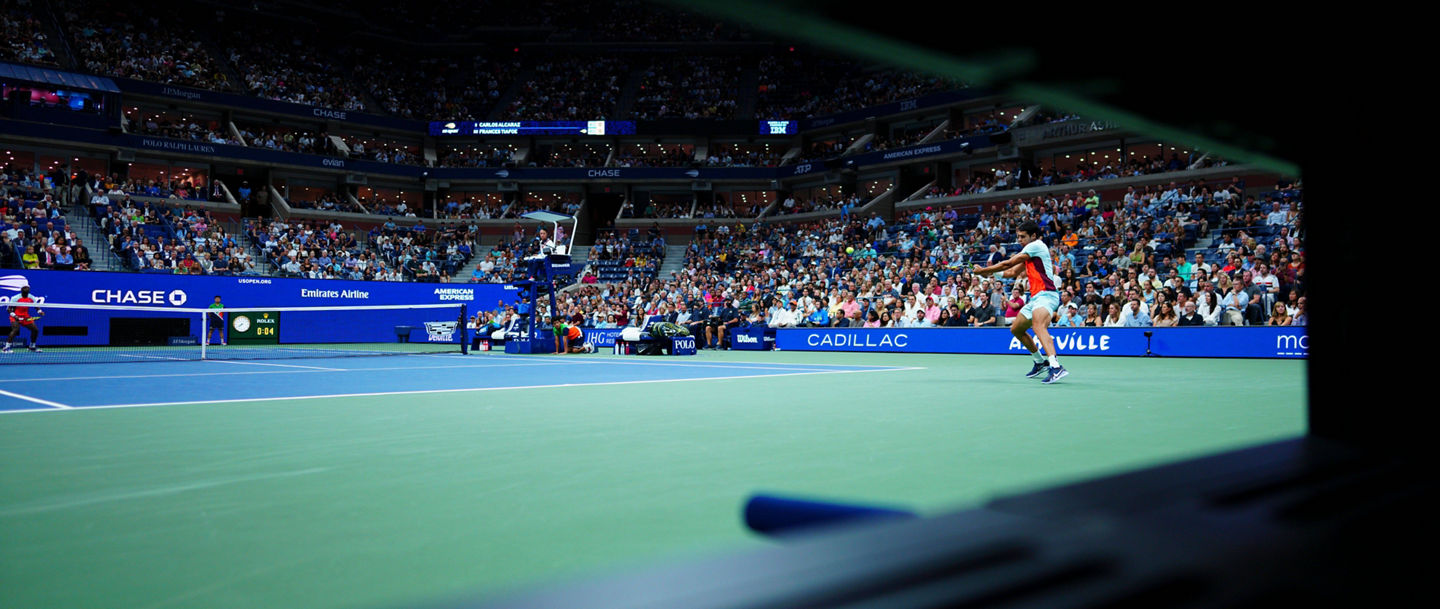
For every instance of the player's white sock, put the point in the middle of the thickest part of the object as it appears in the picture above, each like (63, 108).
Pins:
(1054, 363)
(1037, 356)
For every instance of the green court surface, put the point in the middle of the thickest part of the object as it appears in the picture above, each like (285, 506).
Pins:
(383, 500)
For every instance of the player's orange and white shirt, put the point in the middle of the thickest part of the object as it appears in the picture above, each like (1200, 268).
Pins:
(1040, 269)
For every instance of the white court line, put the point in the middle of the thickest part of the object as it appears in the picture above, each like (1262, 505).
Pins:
(221, 361)
(527, 361)
(718, 365)
(173, 359)
(27, 398)
(156, 376)
(466, 390)
(83, 501)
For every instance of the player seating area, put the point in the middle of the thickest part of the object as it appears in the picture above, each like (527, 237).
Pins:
(326, 250)
(156, 238)
(618, 255)
(34, 234)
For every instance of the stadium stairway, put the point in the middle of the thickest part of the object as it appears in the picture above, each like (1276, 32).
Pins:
(463, 275)
(89, 234)
(1203, 246)
(262, 264)
(580, 254)
(749, 95)
(674, 261)
(502, 105)
(629, 92)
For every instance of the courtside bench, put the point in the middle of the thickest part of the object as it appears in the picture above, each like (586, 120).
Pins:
(633, 341)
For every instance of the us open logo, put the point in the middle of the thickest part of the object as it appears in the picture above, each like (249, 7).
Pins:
(13, 283)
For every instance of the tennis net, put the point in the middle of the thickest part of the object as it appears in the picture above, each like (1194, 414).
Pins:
(86, 333)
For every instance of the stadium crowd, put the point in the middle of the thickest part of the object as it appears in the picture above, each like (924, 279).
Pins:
(284, 66)
(692, 87)
(1121, 263)
(319, 249)
(157, 238)
(295, 61)
(33, 230)
(24, 36)
(137, 41)
(550, 92)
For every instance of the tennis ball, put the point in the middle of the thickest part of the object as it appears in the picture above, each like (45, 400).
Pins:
(849, 250)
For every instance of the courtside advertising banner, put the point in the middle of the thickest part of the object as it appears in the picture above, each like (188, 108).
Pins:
(601, 337)
(161, 291)
(1248, 342)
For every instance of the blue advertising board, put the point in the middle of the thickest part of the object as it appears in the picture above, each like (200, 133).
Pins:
(140, 87)
(171, 291)
(752, 338)
(601, 337)
(923, 150)
(186, 147)
(607, 173)
(1248, 342)
(904, 105)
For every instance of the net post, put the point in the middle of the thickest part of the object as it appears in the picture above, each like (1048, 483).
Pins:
(464, 329)
(204, 334)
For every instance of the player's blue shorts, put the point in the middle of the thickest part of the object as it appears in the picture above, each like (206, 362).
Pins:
(1048, 300)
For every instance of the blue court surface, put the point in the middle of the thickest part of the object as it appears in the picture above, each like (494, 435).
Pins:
(58, 387)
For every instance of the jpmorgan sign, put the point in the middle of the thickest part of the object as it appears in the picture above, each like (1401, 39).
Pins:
(1064, 130)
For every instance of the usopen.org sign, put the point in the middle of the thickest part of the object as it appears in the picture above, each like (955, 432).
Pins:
(1250, 342)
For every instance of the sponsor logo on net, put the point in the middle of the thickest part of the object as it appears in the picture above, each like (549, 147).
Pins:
(441, 331)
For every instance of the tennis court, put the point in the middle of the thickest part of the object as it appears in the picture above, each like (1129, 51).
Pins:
(366, 481)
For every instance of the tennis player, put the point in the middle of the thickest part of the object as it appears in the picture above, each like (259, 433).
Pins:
(217, 322)
(23, 316)
(1039, 268)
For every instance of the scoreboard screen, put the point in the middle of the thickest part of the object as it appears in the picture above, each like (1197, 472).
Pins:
(533, 128)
